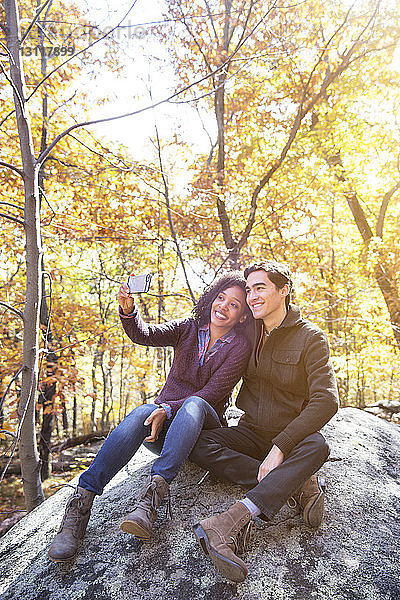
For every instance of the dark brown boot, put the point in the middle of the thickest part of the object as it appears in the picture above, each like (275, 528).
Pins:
(73, 526)
(223, 536)
(141, 520)
(310, 497)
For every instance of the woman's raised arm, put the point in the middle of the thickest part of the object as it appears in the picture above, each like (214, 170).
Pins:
(140, 332)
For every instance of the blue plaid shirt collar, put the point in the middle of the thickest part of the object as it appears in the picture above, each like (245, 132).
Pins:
(204, 339)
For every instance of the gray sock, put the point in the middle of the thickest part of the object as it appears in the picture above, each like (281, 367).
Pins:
(251, 507)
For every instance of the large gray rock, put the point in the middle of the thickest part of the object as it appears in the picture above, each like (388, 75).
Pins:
(354, 554)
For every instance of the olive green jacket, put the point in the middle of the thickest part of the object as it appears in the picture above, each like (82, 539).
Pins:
(291, 391)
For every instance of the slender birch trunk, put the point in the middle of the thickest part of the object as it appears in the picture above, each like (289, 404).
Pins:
(30, 463)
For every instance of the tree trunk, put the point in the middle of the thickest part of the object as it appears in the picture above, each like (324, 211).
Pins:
(104, 381)
(219, 109)
(390, 294)
(75, 403)
(161, 308)
(47, 401)
(64, 417)
(74, 414)
(45, 439)
(94, 387)
(49, 389)
(385, 281)
(30, 464)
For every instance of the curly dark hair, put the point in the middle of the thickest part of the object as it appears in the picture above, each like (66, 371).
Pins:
(278, 273)
(202, 310)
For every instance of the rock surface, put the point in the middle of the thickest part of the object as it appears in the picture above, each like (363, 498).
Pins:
(354, 555)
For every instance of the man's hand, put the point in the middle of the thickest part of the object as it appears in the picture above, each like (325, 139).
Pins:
(156, 419)
(125, 299)
(273, 459)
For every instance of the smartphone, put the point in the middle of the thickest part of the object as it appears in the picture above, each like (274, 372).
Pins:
(138, 284)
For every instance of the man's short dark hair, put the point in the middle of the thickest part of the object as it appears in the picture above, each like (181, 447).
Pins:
(278, 273)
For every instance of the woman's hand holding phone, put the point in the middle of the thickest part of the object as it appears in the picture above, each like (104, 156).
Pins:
(125, 299)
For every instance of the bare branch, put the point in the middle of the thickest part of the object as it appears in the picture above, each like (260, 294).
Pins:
(61, 105)
(11, 277)
(224, 80)
(373, 51)
(211, 19)
(100, 155)
(322, 54)
(15, 219)
(247, 21)
(38, 13)
(6, 49)
(12, 205)
(384, 206)
(196, 41)
(44, 195)
(8, 387)
(212, 144)
(15, 89)
(219, 107)
(43, 32)
(130, 114)
(171, 224)
(301, 112)
(8, 166)
(6, 117)
(21, 420)
(159, 103)
(7, 432)
(13, 309)
(80, 52)
(69, 165)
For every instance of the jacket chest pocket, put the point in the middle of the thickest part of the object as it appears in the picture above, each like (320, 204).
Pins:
(287, 370)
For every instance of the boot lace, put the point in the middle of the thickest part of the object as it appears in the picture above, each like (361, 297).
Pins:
(151, 498)
(244, 537)
(168, 508)
(74, 512)
(300, 499)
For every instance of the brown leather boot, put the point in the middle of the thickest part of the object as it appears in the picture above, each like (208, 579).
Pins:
(141, 520)
(73, 526)
(310, 497)
(223, 536)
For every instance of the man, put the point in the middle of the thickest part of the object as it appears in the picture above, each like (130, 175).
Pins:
(288, 393)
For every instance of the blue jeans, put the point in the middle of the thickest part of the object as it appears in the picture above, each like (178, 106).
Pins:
(175, 442)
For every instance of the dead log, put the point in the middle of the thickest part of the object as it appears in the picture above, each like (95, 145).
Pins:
(391, 407)
(78, 440)
(64, 463)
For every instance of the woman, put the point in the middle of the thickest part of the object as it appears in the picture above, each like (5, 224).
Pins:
(210, 354)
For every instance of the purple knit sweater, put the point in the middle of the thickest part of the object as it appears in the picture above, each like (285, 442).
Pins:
(213, 381)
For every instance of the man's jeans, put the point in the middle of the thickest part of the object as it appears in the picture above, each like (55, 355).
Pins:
(235, 454)
(174, 443)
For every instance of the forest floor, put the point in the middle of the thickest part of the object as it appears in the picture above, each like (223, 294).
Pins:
(12, 504)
